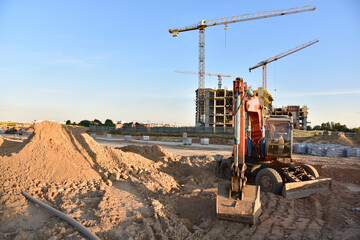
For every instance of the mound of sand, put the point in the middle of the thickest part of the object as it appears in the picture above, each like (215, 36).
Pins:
(56, 153)
(52, 153)
(155, 152)
(334, 138)
(1, 140)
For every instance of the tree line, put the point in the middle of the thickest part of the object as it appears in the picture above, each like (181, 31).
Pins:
(96, 122)
(331, 126)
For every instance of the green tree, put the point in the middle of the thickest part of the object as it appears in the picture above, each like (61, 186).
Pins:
(68, 122)
(84, 123)
(355, 129)
(317, 127)
(337, 127)
(97, 122)
(309, 128)
(332, 126)
(344, 128)
(109, 122)
(328, 126)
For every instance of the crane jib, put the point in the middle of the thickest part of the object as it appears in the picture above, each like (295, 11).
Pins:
(241, 18)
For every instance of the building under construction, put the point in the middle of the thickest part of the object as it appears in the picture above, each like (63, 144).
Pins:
(299, 115)
(214, 106)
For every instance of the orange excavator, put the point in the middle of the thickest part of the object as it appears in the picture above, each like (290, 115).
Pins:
(262, 152)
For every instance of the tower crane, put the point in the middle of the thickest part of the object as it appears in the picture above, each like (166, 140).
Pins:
(225, 21)
(219, 75)
(284, 54)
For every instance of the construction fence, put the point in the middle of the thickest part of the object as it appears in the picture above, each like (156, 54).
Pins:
(166, 130)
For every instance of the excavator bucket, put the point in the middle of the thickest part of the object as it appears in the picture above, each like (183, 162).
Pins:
(306, 188)
(246, 210)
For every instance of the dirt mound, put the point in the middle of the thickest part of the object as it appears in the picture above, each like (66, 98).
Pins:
(334, 138)
(155, 152)
(53, 153)
(1, 140)
(57, 154)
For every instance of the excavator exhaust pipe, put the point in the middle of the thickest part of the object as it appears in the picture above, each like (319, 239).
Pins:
(306, 188)
(246, 210)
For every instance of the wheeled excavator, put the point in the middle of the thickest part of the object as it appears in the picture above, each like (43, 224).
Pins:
(262, 152)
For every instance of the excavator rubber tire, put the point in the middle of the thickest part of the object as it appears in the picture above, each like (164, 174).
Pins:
(311, 170)
(269, 180)
(225, 168)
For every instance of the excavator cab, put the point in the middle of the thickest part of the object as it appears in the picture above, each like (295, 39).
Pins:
(278, 137)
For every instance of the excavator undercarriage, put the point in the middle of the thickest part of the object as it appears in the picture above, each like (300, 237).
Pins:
(291, 180)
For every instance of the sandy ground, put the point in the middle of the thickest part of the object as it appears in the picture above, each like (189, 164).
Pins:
(152, 192)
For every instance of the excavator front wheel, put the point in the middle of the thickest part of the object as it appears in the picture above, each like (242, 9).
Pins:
(269, 180)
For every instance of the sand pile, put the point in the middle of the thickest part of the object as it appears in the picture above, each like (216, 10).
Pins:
(155, 152)
(334, 138)
(52, 153)
(57, 154)
(1, 140)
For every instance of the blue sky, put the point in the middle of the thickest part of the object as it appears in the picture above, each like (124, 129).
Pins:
(82, 59)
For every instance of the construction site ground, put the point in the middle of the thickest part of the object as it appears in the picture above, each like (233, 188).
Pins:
(146, 191)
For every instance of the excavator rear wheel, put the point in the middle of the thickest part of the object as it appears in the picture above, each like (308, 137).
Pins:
(269, 180)
(311, 170)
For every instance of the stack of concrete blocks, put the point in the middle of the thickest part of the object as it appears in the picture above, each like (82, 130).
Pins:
(108, 136)
(127, 137)
(187, 141)
(329, 150)
(336, 151)
(300, 148)
(318, 150)
(204, 141)
(353, 152)
(146, 138)
(309, 147)
(93, 135)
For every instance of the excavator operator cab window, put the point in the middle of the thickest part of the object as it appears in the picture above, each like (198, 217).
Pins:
(278, 138)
